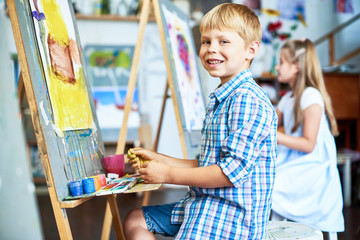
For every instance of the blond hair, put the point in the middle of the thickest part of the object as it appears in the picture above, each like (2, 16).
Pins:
(310, 75)
(235, 17)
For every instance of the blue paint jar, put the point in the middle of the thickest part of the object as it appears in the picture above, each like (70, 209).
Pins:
(88, 185)
(76, 188)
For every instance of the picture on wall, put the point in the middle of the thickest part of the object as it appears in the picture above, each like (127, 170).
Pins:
(185, 72)
(200, 7)
(59, 53)
(109, 71)
(254, 5)
(292, 9)
(344, 6)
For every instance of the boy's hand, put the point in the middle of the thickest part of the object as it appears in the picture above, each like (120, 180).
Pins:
(154, 172)
(138, 156)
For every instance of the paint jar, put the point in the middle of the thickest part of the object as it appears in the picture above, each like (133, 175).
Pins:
(76, 188)
(97, 183)
(102, 180)
(88, 185)
(114, 164)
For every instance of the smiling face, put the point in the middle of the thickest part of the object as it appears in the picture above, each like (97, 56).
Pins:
(223, 53)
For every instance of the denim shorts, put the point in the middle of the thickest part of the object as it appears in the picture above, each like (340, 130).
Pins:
(158, 219)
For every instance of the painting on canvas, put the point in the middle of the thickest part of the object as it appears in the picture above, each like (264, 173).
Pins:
(61, 63)
(185, 72)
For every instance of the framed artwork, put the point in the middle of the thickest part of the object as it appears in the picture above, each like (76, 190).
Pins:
(200, 7)
(291, 9)
(344, 6)
(184, 68)
(109, 70)
(254, 5)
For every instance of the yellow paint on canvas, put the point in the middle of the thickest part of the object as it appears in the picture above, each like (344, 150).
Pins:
(70, 102)
(55, 22)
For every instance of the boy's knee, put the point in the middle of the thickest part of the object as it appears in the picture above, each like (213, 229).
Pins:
(135, 218)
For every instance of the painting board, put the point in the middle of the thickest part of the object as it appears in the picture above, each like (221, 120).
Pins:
(181, 53)
(69, 142)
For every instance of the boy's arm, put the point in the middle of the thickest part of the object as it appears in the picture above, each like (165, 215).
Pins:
(149, 155)
(177, 162)
(205, 177)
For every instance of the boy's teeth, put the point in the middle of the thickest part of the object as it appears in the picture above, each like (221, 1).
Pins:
(214, 62)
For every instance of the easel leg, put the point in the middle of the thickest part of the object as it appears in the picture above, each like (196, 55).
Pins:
(61, 218)
(21, 90)
(112, 209)
(107, 223)
(116, 216)
(146, 198)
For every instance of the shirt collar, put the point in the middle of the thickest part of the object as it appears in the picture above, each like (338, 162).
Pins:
(223, 91)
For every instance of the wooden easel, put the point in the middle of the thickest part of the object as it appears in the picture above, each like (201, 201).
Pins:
(144, 17)
(59, 207)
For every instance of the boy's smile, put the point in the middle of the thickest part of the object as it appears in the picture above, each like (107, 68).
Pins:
(214, 62)
(223, 54)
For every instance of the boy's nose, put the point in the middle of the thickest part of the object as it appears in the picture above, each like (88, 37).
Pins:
(212, 49)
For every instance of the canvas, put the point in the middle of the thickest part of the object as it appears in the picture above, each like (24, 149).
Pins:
(62, 66)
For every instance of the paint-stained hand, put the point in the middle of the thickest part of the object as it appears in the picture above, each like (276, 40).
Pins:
(138, 156)
(155, 172)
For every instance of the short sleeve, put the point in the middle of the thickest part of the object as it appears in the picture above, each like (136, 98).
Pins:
(311, 96)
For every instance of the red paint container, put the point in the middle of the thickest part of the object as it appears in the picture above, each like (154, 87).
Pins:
(114, 164)
(102, 180)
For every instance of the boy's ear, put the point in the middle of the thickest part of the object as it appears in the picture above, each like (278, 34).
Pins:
(253, 49)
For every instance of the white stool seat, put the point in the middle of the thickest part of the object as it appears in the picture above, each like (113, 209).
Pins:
(291, 230)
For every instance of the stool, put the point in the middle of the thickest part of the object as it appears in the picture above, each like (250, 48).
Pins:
(291, 230)
(345, 158)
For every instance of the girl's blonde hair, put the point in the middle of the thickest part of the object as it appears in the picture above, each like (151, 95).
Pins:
(235, 17)
(310, 75)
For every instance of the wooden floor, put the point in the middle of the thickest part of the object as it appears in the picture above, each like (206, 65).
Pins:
(86, 220)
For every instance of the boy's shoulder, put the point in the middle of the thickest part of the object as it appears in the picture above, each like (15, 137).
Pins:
(249, 86)
(250, 90)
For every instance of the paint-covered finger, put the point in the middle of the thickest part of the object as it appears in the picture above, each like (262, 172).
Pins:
(135, 165)
(144, 163)
(131, 154)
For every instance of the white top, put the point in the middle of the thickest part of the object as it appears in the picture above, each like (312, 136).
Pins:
(307, 185)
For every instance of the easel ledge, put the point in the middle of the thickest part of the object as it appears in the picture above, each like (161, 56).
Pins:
(74, 203)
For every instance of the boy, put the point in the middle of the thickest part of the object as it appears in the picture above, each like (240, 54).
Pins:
(231, 183)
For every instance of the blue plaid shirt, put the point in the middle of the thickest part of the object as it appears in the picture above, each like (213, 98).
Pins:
(239, 135)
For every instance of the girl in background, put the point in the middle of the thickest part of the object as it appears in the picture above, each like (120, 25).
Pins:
(307, 185)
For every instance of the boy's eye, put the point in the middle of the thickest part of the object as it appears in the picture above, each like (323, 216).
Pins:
(224, 41)
(205, 42)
